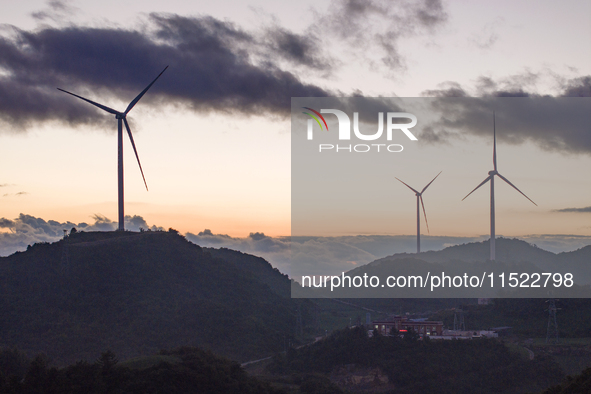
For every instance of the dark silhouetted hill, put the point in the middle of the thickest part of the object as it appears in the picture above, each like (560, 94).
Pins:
(180, 371)
(137, 293)
(419, 366)
(265, 273)
(507, 250)
(573, 384)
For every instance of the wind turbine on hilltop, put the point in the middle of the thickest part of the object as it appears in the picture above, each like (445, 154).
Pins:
(491, 178)
(420, 198)
(122, 118)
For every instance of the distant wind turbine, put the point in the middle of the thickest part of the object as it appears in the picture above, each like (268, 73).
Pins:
(420, 198)
(122, 118)
(491, 178)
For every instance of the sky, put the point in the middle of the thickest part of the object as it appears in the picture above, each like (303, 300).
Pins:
(213, 133)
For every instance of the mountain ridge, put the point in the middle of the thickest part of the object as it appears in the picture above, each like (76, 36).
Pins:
(137, 293)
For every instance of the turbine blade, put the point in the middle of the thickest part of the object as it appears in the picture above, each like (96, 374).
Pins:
(135, 150)
(103, 107)
(139, 96)
(424, 213)
(494, 142)
(483, 182)
(515, 187)
(425, 188)
(409, 187)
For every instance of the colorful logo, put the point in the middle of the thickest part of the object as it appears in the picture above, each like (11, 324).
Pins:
(315, 118)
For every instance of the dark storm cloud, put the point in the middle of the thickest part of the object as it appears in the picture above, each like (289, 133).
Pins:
(214, 65)
(210, 70)
(554, 123)
(576, 210)
(366, 107)
(511, 86)
(350, 18)
(578, 87)
(379, 24)
(299, 49)
(447, 89)
(443, 136)
(5, 223)
(518, 85)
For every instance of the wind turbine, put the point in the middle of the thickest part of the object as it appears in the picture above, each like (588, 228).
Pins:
(491, 178)
(420, 198)
(122, 118)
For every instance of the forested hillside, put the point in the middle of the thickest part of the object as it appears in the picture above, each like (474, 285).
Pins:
(137, 293)
(409, 365)
(180, 371)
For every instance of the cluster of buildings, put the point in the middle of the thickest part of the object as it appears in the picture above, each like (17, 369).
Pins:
(399, 325)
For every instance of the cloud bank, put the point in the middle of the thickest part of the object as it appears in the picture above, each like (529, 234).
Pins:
(213, 67)
(28, 230)
(312, 254)
(315, 255)
(575, 210)
(217, 66)
(558, 124)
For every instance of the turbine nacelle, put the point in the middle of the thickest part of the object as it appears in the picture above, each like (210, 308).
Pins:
(493, 172)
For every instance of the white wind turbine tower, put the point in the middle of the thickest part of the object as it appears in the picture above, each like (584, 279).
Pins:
(122, 118)
(420, 198)
(491, 178)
